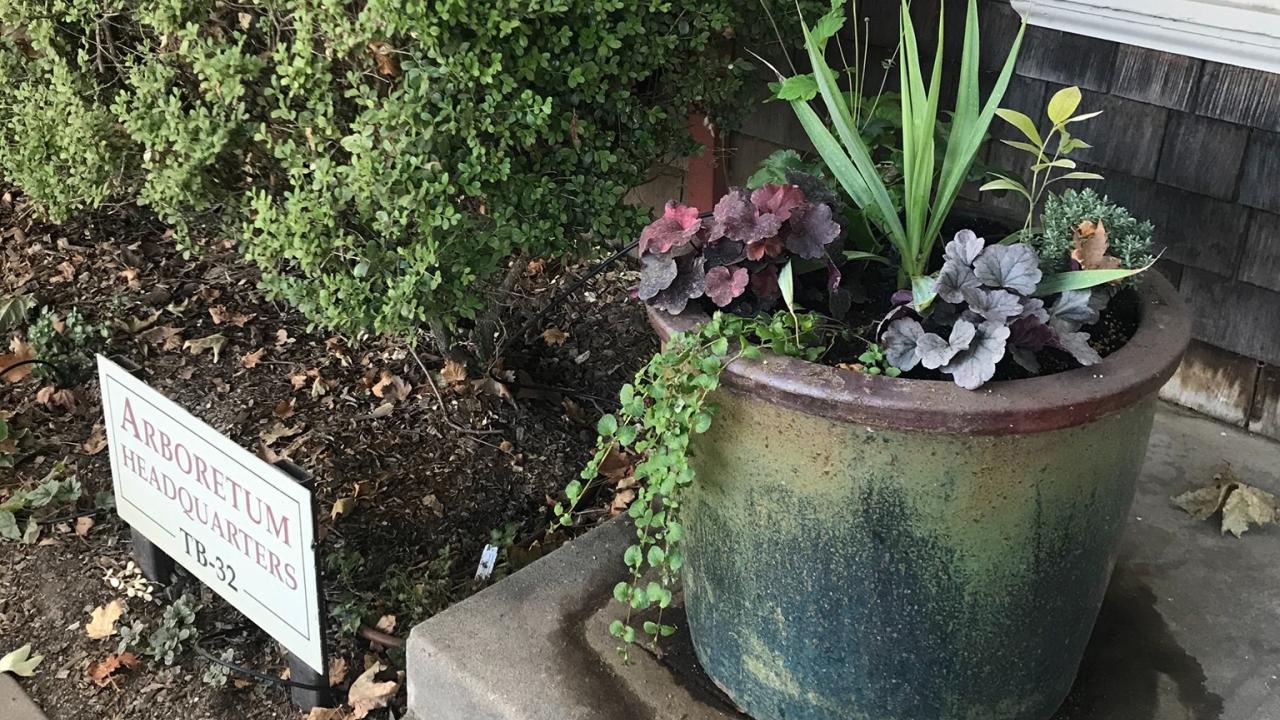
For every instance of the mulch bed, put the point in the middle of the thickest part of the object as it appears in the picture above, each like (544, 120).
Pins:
(425, 487)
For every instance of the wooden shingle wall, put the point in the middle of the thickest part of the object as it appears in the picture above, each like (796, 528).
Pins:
(1192, 145)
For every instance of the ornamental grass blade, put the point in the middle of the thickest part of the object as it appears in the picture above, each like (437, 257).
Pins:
(850, 159)
(919, 127)
(968, 125)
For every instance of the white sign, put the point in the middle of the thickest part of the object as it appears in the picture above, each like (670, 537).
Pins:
(240, 525)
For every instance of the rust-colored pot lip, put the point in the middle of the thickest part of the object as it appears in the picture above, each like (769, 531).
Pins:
(1039, 404)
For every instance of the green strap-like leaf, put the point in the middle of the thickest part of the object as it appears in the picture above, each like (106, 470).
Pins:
(1081, 279)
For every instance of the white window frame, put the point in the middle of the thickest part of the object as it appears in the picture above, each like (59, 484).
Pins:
(1236, 32)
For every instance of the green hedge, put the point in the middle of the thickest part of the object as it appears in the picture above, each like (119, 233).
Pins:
(377, 160)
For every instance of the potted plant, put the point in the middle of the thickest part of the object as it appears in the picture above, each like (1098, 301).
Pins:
(906, 505)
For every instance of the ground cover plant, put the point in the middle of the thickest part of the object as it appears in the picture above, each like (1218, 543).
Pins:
(843, 260)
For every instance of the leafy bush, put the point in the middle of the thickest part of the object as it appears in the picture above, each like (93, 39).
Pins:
(1129, 238)
(377, 160)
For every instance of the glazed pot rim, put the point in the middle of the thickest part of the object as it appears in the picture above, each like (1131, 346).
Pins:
(1039, 404)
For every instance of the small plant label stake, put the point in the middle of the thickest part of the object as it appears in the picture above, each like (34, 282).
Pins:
(241, 526)
(488, 560)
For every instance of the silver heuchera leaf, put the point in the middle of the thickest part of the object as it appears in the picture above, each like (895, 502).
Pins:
(972, 367)
(1077, 343)
(900, 341)
(1034, 307)
(907, 344)
(810, 230)
(963, 248)
(657, 270)
(689, 283)
(994, 305)
(935, 352)
(1016, 267)
(1072, 311)
(954, 277)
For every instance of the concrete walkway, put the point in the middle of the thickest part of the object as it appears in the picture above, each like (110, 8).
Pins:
(14, 704)
(1190, 629)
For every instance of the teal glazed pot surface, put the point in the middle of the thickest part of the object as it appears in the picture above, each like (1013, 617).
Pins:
(865, 548)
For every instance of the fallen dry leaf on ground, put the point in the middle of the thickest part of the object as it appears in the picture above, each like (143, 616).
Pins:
(213, 343)
(284, 408)
(342, 506)
(84, 525)
(169, 338)
(19, 351)
(250, 360)
(337, 671)
(554, 336)
(320, 713)
(368, 694)
(391, 388)
(102, 622)
(387, 624)
(279, 430)
(96, 442)
(101, 672)
(1242, 505)
(453, 372)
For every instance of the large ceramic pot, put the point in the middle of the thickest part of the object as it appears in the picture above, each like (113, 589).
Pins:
(867, 548)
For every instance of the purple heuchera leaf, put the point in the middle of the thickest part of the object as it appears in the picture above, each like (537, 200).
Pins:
(810, 230)
(737, 219)
(778, 200)
(764, 282)
(677, 226)
(1030, 333)
(964, 248)
(657, 270)
(995, 305)
(689, 283)
(724, 252)
(952, 280)
(1016, 267)
(976, 364)
(833, 277)
(1077, 343)
(901, 297)
(771, 246)
(725, 284)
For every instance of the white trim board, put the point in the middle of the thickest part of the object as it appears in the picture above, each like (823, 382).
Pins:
(1236, 32)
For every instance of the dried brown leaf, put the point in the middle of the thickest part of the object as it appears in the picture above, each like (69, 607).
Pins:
(19, 351)
(212, 343)
(84, 525)
(250, 360)
(367, 694)
(453, 372)
(554, 336)
(97, 440)
(102, 621)
(337, 670)
(101, 672)
(1089, 247)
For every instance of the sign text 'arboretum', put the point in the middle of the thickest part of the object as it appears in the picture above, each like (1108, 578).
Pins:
(238, 524)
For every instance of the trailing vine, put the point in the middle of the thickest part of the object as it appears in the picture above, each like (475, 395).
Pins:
(661, 410)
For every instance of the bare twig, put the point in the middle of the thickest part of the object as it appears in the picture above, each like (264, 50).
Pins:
(444, 409)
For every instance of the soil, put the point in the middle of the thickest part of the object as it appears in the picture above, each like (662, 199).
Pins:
(431, 485)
